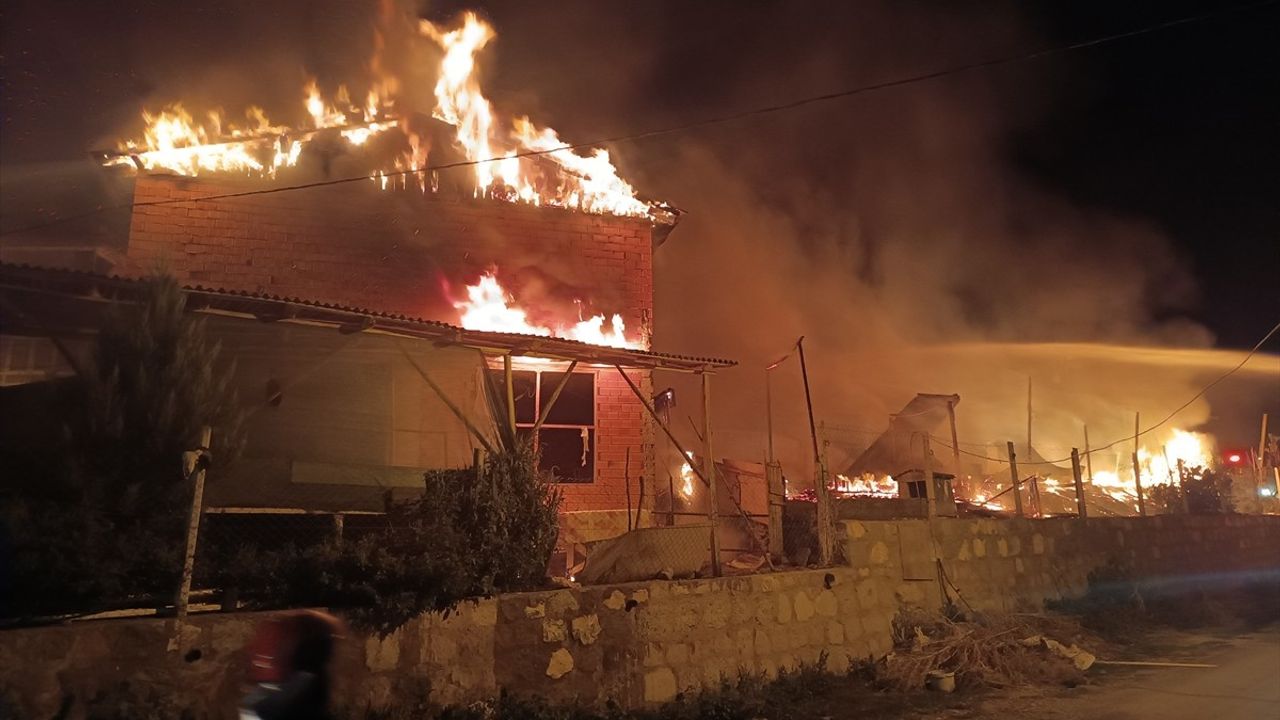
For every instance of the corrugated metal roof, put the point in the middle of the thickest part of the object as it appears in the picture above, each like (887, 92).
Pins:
(290, 308)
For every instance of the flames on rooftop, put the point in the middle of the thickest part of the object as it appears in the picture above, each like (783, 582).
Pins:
(177, 141)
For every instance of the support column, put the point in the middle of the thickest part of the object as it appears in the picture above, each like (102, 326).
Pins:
(709, 468)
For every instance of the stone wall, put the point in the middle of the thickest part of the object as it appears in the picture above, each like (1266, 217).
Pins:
(643, 643)
(1019, 564)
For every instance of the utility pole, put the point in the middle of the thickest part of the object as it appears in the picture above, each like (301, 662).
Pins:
(955, 444)
(709, 465)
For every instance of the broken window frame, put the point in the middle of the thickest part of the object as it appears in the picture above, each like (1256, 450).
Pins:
(592, 428)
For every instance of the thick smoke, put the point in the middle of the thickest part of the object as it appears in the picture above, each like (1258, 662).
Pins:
(893, 230)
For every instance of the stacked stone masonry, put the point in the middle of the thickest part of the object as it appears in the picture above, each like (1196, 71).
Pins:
(644, 643)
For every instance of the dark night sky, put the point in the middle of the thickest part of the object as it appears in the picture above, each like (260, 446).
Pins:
(1175, 130)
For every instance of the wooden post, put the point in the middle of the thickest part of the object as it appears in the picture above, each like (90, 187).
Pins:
(955, 445)
(511, 395)
(196, 461)
(932, 511)
(1137, 470)
(671, 499)
(1088, 454)
(826, 527)
(768, 413)
(1182, 488)
(708, 458)
(1081, 509)
(626, 480)
(777, 497)
(1017, 482)
(555, 395)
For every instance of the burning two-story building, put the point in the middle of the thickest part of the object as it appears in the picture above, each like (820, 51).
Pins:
(366, 317)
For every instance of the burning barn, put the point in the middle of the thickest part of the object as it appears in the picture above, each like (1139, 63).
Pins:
(366, 316)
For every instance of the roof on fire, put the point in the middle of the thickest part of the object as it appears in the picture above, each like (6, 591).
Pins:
(273, 308)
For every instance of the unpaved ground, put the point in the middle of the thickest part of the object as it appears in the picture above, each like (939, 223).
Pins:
(1245, 685)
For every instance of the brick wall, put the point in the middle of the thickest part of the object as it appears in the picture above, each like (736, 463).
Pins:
(404, 252)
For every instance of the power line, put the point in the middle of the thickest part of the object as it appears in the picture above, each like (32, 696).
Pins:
(684, 127)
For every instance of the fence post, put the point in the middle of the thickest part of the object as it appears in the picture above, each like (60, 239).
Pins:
(1081, 508)
(773, 481)
(826, 531)
(1137, 484)
(1017, 483)
(709, 460)
(195, 462)
(931, 510)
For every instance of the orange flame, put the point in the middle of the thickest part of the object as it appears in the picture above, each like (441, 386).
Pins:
(489, 307)
(587, 182)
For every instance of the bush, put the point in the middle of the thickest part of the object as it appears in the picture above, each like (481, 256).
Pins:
(98, 514)
(472, 533)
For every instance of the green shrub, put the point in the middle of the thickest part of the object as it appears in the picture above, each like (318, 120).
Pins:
(470, 534)
(97, 517)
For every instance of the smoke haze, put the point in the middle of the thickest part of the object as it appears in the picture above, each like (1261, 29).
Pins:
(894, 231)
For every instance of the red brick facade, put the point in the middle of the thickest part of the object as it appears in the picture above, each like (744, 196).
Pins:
(403, 252)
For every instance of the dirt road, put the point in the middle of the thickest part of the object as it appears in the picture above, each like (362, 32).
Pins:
(1245, 685)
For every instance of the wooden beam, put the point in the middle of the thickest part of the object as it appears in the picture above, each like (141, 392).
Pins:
(708, 457)
(555, 395)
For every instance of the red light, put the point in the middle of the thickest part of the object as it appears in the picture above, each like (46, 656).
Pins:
(1233, 458)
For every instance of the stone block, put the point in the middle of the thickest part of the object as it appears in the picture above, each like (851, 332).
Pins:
(561, 603)
(660, 685)
(615, 600)
(553, 631)
(586, 628)
(835, 633)
(826, 604)
(803, 606)
(979, 548)
(677, 654)
(784, 610)
(560, 664)
(654, 655)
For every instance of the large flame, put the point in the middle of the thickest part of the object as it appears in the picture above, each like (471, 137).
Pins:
(1158, 458)
(866, 485)
(584, 182)
(173, 141)
(488, 306)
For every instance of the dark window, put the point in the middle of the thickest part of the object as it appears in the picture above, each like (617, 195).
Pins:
(567, 439)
